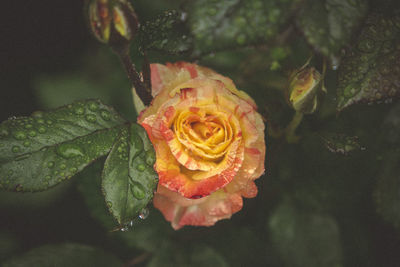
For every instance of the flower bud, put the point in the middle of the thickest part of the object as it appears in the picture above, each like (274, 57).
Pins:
(112, 21)
(304, 86)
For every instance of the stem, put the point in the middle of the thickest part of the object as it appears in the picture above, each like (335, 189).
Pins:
(291, 136)
(134, 77)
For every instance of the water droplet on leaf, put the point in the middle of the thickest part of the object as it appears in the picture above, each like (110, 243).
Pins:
(91, 118)
(144, 213)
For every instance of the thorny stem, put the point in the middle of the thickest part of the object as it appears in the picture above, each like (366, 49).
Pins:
(134, 77)
(290, 130)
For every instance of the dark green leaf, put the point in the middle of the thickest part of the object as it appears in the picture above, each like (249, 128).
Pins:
(370, 71)
(171, 255)
(305, 239)
(328, 25)
(65, 255)
(167, 33)
(341, 143)
(40, 151)
(225, 24)
(129, 179)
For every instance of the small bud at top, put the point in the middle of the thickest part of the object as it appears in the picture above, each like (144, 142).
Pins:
(304, 86)
(112, 21)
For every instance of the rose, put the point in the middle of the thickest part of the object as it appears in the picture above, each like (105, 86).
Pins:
(209, 143)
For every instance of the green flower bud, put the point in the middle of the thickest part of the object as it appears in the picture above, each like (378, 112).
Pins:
(304, 87)
(112, 21)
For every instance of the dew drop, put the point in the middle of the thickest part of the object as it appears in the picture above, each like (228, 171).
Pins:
(138, 192)
(28, 126)
(73, 169)
(47, 177)
(40, 120)
(124, 229)
(69, 151)
(141, 167)
(105, 114)
(49, 122)
(50, 164)
(42, 129)
(32, 133)
(20, 135)
(93, 106)
(27, 143)
(144, 213)
(79, 110)
(91, 118)
(15, 149)
(150, 157)
(63, 166)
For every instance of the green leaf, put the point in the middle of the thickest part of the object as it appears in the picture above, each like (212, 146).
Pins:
(65, 255)
(341, 143)
(370, 72)
(328, 25)
(129, 179)
(167, 33)
(305, 239)
(39, 151)
(218, 25)
(199, 255)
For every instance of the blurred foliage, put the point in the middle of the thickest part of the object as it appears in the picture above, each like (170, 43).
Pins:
(314, 207)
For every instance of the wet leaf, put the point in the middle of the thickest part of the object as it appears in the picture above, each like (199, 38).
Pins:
(68, 254)
(167, 33)
(129, 179)
(218, 25)
(341, 143)
(39, 151)
(328, 25)
(370, 72)
(305, 239)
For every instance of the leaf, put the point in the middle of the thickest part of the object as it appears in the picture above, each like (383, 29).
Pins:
(341, 143)
(199, 255)
(68, 254)
(137, 102)
(39, 151)
(305, 239)
(129, 179)
(218, 25)
(370, 71)
(167, 33)
(328, 25)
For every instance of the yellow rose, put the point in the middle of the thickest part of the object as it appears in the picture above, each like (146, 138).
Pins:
(209, 143)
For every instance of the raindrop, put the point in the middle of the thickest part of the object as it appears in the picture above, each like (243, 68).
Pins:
(42, 129)
(69, 150)
(15, 149)
(49, 122)
(124, 229)
(47, 177)
(40, 120)
(93, 106)
(63, 166)
(141, 167)
(109, 204)
(183, 16)
(28, 126)
(138, 192)
(50, 164)
(20, 135)
(91, 118)
(27, 143)
(150, 157)
(73, 169)
(144, 213)
(105, 114)
(79, 110)
(32, 133)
